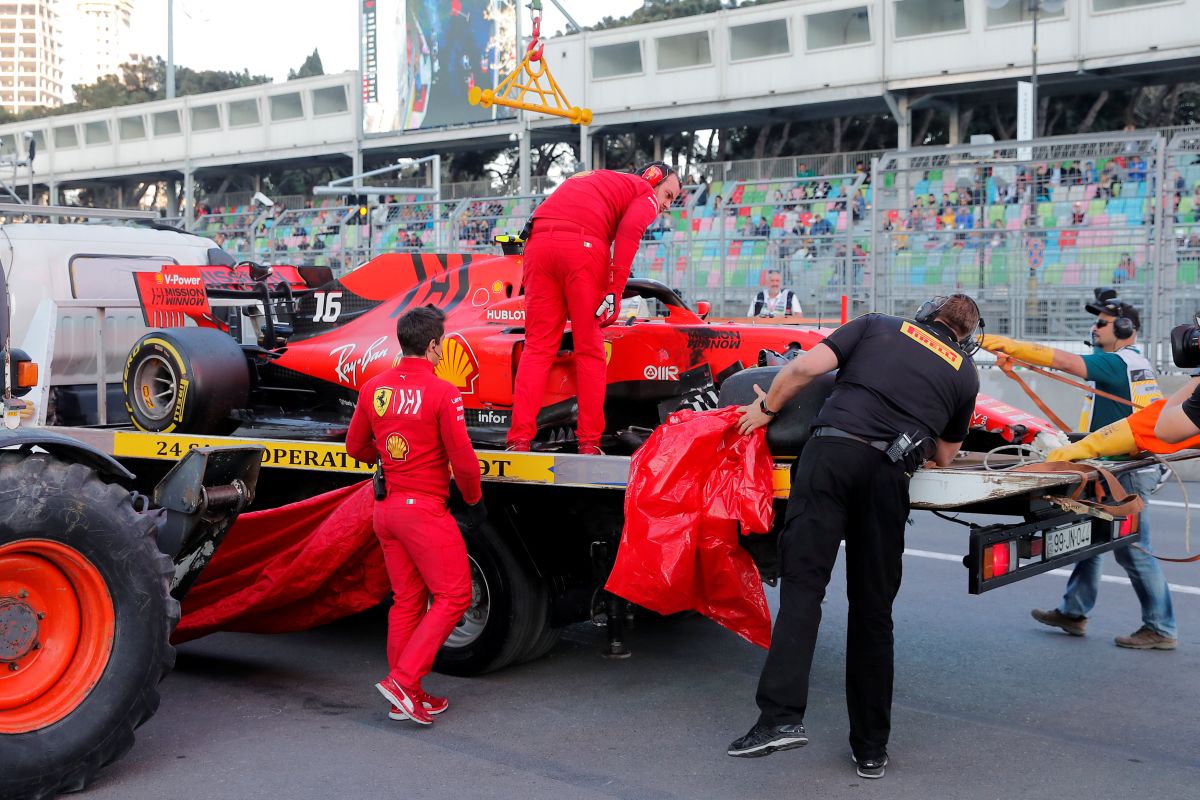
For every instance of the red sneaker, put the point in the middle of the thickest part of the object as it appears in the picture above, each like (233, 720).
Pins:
(589, 449)
(434, 705)
(405, 701)
(517, 447)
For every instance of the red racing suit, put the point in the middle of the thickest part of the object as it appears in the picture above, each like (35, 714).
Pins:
(413, 421)
(567, 271)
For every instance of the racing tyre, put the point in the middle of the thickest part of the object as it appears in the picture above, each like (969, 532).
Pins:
(508, 620)
(85, 618)
(185, 380)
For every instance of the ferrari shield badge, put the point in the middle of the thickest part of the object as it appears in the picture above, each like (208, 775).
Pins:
(382, 400)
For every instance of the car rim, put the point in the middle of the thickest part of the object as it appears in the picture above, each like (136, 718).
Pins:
(475, 619)
(155, 387)
(56, 632)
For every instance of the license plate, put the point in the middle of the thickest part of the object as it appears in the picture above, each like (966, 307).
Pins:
(1068, 539)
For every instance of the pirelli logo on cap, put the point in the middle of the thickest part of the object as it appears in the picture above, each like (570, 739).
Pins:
(930, 342)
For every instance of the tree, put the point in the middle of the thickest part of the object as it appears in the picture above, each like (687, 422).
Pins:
(310, 68)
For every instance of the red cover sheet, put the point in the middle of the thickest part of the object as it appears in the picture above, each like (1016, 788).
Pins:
(690, 485)
(291, 568)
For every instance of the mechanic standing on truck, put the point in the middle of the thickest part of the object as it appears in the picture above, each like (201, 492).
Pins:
(577, 261)
(1118, 367)
(905, 391)
(412, 423)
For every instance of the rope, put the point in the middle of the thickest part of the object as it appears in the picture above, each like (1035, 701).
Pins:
(1006, 366)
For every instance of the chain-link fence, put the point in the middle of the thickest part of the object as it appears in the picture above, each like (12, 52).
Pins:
(1030, 229)
(1027, 228)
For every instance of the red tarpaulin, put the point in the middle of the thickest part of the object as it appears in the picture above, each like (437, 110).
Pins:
(291, 568)
(690, 485)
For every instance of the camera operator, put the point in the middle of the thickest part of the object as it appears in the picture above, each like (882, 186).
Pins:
(1117, 367)
(905, 391)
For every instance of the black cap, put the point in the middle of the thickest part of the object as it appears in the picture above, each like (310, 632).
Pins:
(1116, 308)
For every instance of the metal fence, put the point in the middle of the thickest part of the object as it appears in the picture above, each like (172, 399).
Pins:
(1028, 228)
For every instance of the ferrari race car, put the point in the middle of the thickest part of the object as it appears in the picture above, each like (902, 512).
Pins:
(285, 349)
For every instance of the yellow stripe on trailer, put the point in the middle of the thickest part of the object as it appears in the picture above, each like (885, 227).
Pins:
(331, 457)
(281, 454)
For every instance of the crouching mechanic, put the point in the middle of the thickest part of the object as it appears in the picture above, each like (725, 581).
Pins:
(412, 422)
(905, 391)
(1117, 367)
(577, 261)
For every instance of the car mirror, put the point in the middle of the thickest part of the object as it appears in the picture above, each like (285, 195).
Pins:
(702, 308)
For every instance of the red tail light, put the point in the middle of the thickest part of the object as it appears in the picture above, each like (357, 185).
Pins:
(998, 559)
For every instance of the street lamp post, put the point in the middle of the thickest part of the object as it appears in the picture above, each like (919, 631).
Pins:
(1036, 7)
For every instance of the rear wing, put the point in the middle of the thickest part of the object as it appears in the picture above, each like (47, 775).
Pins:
(176, 293)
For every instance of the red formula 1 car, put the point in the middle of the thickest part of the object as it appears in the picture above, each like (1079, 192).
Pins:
(290, 346)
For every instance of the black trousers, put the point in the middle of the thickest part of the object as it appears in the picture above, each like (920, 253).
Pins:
(843, 489)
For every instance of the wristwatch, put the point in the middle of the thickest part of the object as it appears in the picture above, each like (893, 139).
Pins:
(762, 406)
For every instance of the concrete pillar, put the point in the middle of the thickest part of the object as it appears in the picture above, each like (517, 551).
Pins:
(955, 134)
(658, 147)
(586, 156)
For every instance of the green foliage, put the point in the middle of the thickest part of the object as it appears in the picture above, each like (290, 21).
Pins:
(142, 81)
(659, 10)
(309, 69)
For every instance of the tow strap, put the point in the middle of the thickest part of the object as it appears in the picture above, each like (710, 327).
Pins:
(1006, 363)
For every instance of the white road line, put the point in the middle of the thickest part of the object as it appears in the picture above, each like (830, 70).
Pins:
(1175, 587)
(1171, 503)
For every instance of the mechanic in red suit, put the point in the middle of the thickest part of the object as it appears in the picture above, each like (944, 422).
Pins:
(577, 260)
(413, 423)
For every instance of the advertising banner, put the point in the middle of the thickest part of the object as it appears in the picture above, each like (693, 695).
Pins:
(420, 58)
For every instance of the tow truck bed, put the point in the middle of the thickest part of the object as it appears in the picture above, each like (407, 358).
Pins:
(1053, 530)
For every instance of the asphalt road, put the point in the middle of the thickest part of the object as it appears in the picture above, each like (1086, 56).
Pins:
(988, 705)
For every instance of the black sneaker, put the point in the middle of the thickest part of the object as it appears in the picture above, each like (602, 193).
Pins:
(870, 768)
(762, 740)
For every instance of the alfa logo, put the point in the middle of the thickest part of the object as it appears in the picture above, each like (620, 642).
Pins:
(458, 366)
(397, 447)
(381, 400)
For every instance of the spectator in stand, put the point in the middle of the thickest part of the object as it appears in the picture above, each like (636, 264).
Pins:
(716, 205)
(773, 300)
(702, 192)
(1078, 213)
(964, 217)
(1137, 170)
(821, 226)
(1125, 270)
(1090, 175)
(860, 206)
(219, 239)
(802, 171)
(762, 228)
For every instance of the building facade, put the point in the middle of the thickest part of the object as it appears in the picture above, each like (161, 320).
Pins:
(31, 68)
(101, 37)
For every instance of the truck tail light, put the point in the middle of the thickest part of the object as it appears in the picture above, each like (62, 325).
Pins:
(27, 375)
(1128, 525)
(998, 559)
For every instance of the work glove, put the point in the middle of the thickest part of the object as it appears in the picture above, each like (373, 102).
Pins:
(1030, 352)
(476, 515)
(606, 312)
(1111, 440)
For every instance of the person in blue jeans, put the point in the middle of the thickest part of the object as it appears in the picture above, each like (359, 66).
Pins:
(1117, 367)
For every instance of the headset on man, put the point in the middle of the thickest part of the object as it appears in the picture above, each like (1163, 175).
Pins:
(969, 343)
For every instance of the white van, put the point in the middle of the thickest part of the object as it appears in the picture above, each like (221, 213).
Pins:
(74, 300)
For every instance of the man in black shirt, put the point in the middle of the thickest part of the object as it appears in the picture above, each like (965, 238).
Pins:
(1180, 417)
(905, 392)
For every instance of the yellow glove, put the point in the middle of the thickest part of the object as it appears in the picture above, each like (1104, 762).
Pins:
(1030, 352)
(1111, 440)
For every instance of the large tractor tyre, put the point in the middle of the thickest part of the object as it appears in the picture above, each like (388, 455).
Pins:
(509, 613)
(185, 380)
(85, 620)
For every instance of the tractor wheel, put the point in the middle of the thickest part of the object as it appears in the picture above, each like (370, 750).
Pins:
(185, 380)
(85, 618)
